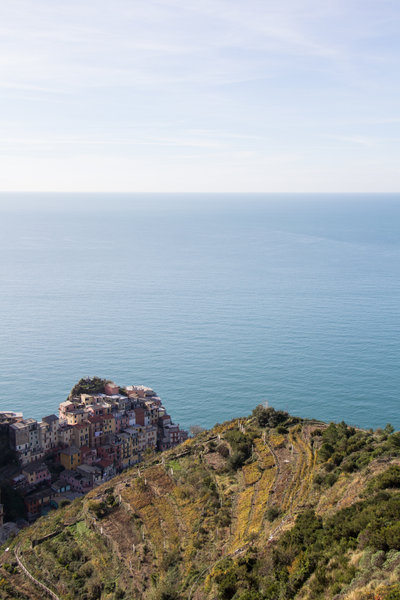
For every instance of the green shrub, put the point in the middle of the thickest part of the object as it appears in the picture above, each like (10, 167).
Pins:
(237, 460)
(389, 479)
(223, 518)
(170, 559)
(242, 448)
(223, 450)
(326, 479)
(273, 512)
(102, 508)
(269, 417)
(92, 385)
(250, 595)
(393, 593)
(227, 586)
(394, 440)
(281, 429)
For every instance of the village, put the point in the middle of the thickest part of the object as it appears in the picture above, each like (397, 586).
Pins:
(95, 436)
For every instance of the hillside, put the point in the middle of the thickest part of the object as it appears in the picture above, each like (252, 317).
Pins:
(259, 508)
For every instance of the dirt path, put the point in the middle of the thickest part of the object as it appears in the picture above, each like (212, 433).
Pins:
(32, 577)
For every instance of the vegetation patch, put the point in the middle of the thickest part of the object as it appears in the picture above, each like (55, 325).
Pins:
(236, 517)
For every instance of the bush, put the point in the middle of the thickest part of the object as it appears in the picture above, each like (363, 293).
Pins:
(237, 460)
(272, 513)
(326, 479)
(238, 440)
(170, 559)
(227, 586)
(346, 448)
(394, 440)
(250, 595)
(393, 593)
(389, 479)
(242, 447)
(90, 385)
(68, 554)
(101, 509)
(95, 589)
(349, 465)
(223, 518)
(269, 417)
(326, 451)
(223, 450)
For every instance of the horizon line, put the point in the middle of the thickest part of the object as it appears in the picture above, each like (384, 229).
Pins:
(194, 192)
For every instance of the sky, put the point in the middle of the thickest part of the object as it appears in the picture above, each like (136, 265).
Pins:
(200, 95)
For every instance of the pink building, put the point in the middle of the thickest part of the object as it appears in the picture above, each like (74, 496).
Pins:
(88, 455)
(108, 451)
(121, 422)
(111, 388)
(77, 481)
(36, 473)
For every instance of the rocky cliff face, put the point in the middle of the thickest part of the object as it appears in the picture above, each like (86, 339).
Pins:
(259, 508)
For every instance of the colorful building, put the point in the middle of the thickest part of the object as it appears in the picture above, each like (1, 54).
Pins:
(70, 458)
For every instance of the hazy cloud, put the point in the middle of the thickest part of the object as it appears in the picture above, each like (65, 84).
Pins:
(132, 81)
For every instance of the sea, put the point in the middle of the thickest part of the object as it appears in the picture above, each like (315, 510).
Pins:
(219, 302)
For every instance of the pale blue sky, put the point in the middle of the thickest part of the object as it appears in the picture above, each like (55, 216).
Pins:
(200, 95)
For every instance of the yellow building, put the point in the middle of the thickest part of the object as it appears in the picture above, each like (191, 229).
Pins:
(70, 458)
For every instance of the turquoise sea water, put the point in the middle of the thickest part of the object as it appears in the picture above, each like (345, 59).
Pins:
(217, 302)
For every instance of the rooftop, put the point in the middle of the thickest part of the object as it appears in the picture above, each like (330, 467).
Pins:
(8, 414)
(105, 462)
(70, 451)
(66, 403)
(35, 466)
(19, 424)
(131, 430)
(89, 469)
(40, 494)
(50, 419)
(58, 483)
(64, 425)
(96, 419)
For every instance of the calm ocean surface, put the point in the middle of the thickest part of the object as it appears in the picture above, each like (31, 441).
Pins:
(217, 302)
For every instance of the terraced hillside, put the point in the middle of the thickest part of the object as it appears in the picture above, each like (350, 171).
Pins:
(264, 507)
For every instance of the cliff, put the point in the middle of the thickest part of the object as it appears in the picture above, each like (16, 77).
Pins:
(259, 508)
